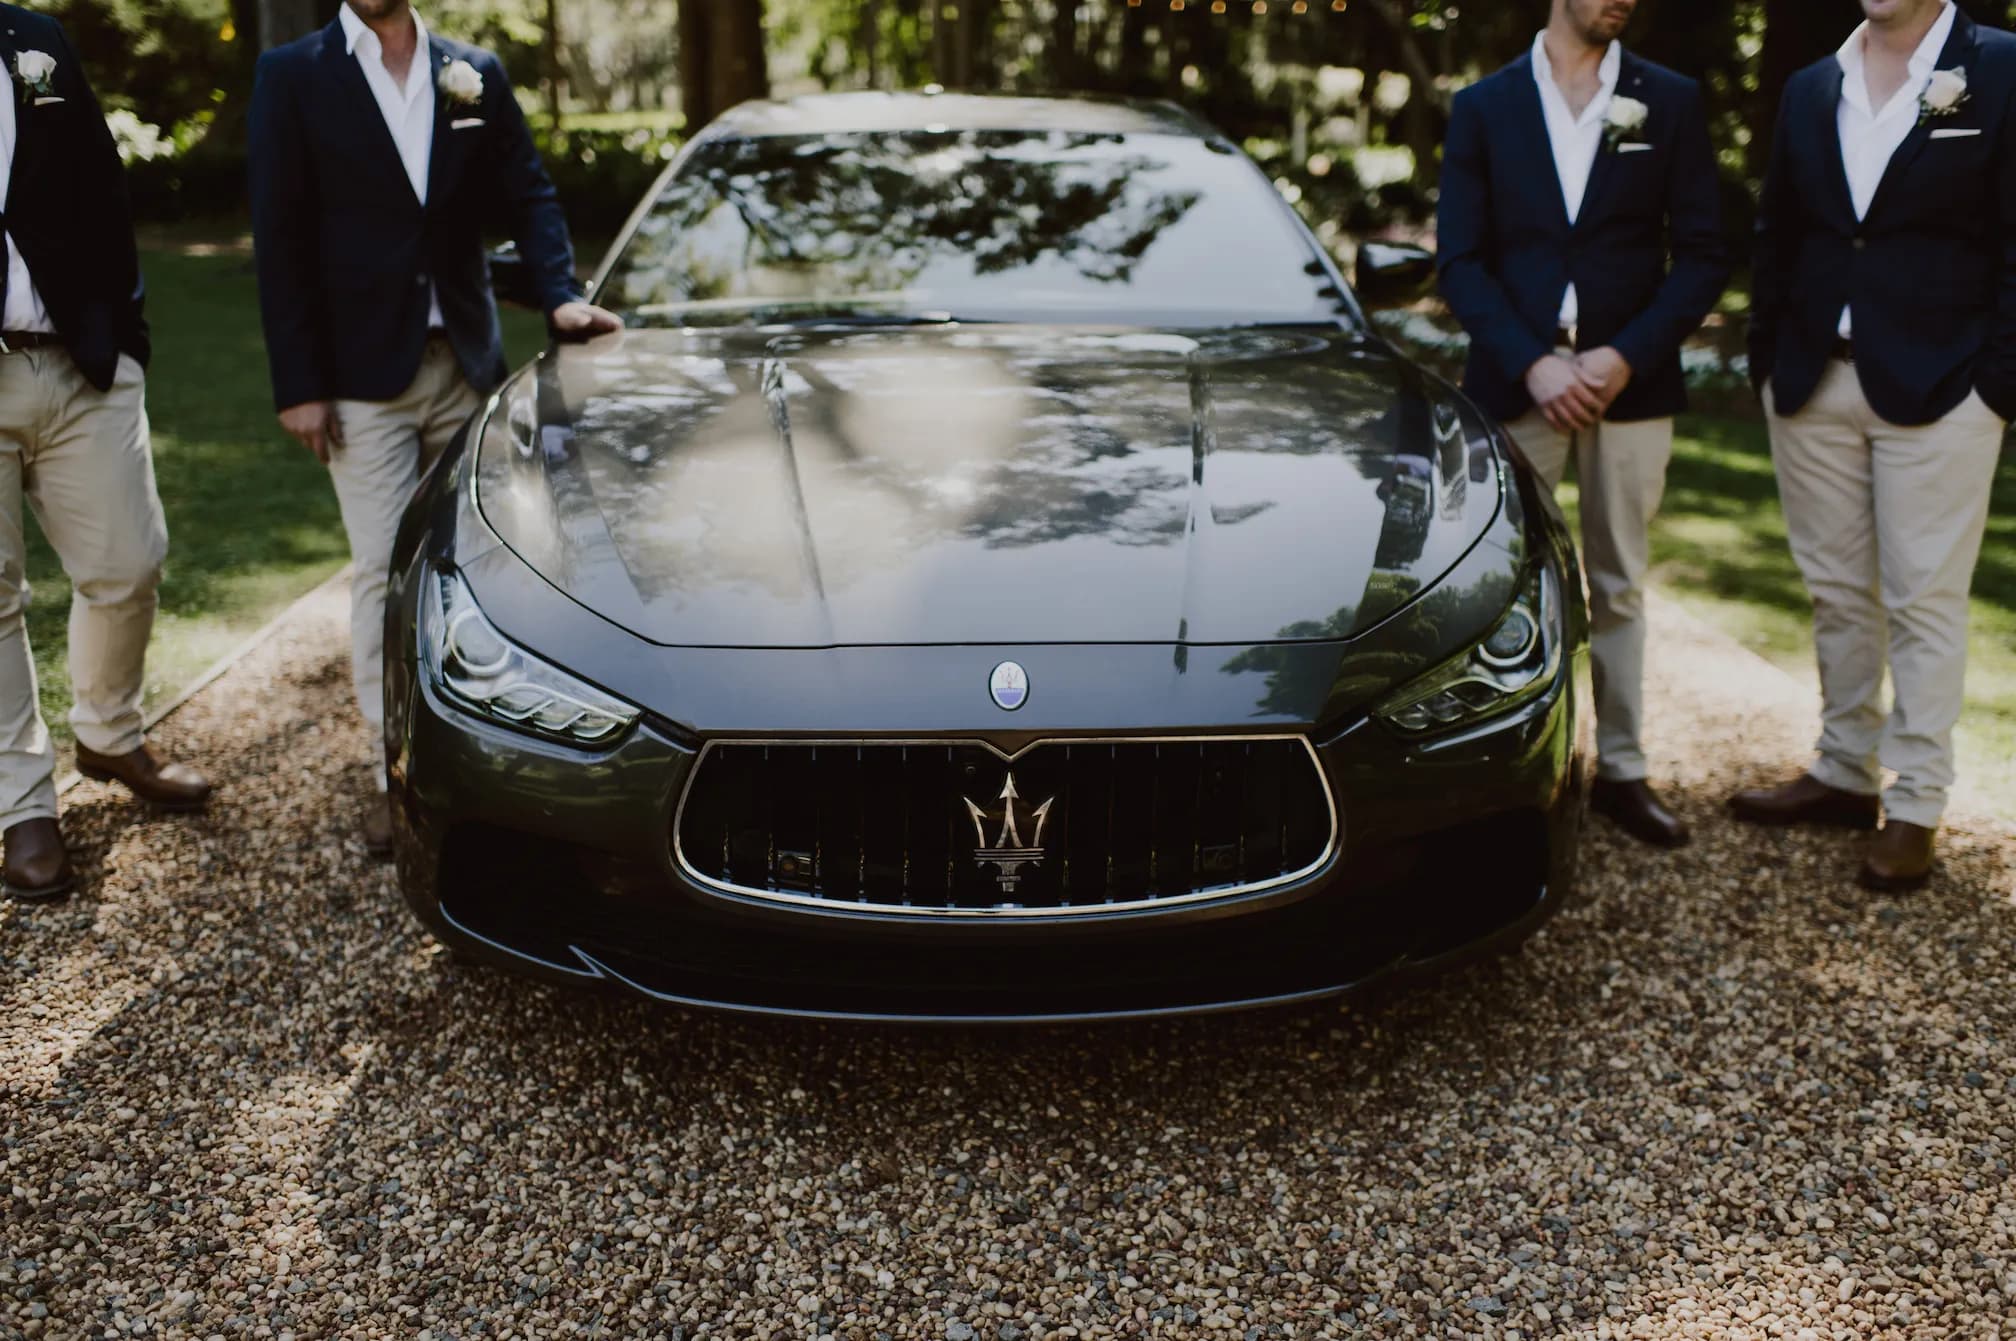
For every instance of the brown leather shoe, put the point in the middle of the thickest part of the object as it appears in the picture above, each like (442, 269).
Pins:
(378, 827)
(1899, 859)
(1636, 809)
(1807, 800)
(163, 786)
(38, 865)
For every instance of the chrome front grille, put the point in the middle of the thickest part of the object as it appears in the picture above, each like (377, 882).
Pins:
(957, 828)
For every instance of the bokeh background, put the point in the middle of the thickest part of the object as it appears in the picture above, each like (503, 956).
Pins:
(1346, 100)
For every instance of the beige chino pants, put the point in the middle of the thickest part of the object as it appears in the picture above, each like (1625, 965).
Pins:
(1886, 526)
(81, 459)
(386, 448)
(1622, 474)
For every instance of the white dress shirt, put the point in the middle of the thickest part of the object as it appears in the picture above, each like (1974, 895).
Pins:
(24, 306)
(1871, 136)
(408, 110)
(1576, 140)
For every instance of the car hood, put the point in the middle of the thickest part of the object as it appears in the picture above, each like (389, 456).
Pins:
(964, 484)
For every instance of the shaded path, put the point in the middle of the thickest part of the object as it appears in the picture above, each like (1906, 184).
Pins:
(1730, 1095)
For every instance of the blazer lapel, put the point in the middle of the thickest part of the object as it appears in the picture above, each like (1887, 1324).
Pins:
(1960, 49)
(1630, 84)
(1823, 119)
(1526, 94)
(28, 137)
(364, 109)
(450, 152)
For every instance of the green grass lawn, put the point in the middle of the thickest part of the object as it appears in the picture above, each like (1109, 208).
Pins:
(1719, 549)
(252, 520)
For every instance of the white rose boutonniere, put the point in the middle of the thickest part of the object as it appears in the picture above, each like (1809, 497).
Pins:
(35, 70)
(462, 83)
(1945, 95)
(1624, 123)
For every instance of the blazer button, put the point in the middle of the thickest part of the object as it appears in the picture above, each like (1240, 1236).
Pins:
(421, 280)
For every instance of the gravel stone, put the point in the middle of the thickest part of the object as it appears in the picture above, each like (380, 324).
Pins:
(1726, 1095)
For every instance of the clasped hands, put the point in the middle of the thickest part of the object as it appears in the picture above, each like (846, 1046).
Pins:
(1574, 393)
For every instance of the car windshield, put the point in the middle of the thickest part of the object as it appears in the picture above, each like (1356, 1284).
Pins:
(970, 225)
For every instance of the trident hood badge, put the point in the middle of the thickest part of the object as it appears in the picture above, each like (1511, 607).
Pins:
(1009, 854)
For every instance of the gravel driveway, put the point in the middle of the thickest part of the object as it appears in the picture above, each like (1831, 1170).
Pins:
(1729, 1096)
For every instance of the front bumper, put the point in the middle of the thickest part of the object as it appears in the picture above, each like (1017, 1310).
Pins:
(558, 864)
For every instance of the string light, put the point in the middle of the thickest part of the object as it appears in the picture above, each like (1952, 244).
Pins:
(1256, 7)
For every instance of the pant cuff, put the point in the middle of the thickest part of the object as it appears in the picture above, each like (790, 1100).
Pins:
(1919, 810)
(1843, 778)
(100, 740)
(1624, 772)
(34, 808)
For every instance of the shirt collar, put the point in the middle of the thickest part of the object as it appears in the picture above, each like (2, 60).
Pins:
(1855, 87)
(1543, 68)
(355, 30)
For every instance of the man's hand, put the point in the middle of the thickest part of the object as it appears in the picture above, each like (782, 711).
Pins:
(1605, 372)
(1564, 397)
(583, 321)
(316, 426)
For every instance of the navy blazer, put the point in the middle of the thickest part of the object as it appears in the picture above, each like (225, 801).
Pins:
(66, 206)
(346, 250)
(1646, 252)
(1930, 272)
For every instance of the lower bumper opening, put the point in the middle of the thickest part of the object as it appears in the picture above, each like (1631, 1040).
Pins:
(581, 912)
(1476, 881)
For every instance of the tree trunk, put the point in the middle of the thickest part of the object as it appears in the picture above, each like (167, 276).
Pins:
(1133, 71)
(553, 65)
(944, 43)
(976, 43)
(1063, 50)
(1420, 75)
(721, 57)
(1793, 37)
(284, 20)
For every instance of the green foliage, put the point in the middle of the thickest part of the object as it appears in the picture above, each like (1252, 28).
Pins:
(171, 62)
(602, 172)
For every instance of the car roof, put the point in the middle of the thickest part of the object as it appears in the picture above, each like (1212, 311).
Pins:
(853, 113)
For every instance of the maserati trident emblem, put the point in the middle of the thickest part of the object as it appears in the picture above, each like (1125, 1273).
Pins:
(1009, 684)
(1009, 854)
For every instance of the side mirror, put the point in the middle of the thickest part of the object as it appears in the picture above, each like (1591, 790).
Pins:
(511, 278)
(1393, 274)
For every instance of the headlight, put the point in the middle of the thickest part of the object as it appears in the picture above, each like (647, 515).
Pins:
(1513, 664)
(474, 666)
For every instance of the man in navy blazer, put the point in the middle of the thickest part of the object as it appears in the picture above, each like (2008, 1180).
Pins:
(1580, 245)
(74, 445)
(1883, 338)
(379, 152)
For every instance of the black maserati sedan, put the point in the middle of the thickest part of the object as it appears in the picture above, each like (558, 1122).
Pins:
(998, 574)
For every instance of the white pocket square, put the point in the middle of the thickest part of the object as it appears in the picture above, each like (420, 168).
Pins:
(1953, 134)
(44, 102)
(1634, 148)
(465, 123)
